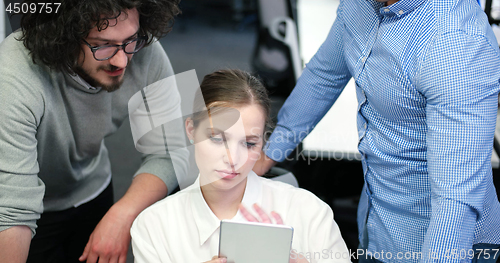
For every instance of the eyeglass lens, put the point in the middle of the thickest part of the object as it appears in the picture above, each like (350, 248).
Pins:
(108, 52)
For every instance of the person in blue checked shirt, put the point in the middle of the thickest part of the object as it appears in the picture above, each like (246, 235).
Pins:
(427, 81)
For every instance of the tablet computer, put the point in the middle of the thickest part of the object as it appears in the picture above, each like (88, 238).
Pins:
(249, 242)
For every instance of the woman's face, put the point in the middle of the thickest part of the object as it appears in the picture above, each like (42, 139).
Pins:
(225, 152)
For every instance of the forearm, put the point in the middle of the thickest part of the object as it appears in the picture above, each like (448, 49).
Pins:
(145, 190)
(111, 237)
(15, 244)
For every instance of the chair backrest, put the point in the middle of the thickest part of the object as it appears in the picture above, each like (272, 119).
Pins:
(492, 10)
(270, 9)
(276, 53)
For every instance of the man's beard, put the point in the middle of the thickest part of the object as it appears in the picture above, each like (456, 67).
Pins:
(116, 82)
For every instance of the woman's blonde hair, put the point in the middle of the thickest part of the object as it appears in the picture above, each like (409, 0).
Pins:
(230, 88)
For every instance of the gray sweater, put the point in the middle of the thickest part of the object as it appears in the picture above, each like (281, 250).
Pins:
(52, 155)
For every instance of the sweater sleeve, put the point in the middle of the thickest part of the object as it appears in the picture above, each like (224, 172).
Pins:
(167, 156)
(21, 109)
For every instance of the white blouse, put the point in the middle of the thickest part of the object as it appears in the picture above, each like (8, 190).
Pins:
(182, 228)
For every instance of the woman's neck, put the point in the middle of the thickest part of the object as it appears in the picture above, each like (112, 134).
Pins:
(224, 203)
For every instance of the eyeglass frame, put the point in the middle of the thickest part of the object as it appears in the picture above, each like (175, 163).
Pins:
(122, 46)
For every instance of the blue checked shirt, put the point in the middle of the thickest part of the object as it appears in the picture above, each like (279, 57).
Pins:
(427, 77)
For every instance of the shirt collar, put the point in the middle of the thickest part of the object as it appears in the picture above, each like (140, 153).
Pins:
(206, 221)
(400, 8)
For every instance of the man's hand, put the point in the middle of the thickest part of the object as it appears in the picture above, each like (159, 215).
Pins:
(216, 259)
(110, 239)
(264, 164)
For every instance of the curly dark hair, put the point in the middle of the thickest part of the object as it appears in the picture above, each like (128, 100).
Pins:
(55, 39)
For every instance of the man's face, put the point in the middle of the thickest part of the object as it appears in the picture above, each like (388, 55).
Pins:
(108, 74)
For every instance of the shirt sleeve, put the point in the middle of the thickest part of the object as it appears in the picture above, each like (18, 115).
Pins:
(171, 163)
(319, 86)
(21, 191)
(142, 244)
(459, 78)
(321, 232)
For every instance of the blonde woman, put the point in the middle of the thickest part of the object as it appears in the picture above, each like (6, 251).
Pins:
(228, 134)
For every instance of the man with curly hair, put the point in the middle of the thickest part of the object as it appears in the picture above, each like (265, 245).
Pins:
(66, 80)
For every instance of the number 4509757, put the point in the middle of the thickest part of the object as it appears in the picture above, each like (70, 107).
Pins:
(24, 8)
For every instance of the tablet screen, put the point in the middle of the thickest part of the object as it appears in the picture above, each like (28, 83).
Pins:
(249, 242)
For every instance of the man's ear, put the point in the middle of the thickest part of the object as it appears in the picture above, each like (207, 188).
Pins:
(189, 128)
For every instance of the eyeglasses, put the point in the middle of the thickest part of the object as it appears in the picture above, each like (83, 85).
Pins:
(106, 52)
